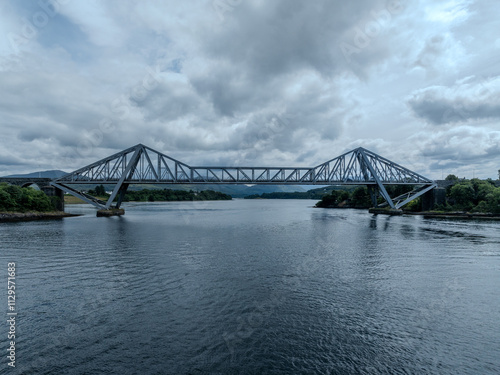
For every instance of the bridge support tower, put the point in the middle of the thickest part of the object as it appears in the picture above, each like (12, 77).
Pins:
(52, 191)
(433, 198)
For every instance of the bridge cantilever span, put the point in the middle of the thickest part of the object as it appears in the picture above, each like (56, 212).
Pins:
(143, 165)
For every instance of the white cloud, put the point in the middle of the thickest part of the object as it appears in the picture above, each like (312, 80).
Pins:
(450, 11)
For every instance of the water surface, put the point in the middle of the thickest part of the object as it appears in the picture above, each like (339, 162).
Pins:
(253, 287)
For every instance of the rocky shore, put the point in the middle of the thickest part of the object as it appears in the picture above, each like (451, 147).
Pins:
(28, 216)
(110, 212)
(438, 214)
(458, 215)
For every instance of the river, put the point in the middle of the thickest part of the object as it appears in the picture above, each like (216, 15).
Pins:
(252, 287)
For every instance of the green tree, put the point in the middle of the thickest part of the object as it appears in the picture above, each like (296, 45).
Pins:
(451, 177)
(334, 199)
(493, 201)
(360, 198)
(415, 205)
(15, 192)
(6, 201)
(342, 196)
(481, 190)
(15, 198)
(463, 194)
(329, 200)
(100, 191)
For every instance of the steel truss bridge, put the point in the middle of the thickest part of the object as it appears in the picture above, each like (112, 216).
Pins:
(143, 165)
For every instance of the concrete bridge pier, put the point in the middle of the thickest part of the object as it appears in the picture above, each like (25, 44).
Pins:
(52, 191)
(433, 198)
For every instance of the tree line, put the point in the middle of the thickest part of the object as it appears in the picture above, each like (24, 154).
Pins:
(473, 195)
(17, 199)
(359, 197)
(285, 195)
(164, 195)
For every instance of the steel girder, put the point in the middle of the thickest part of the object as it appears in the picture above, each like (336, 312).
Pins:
(143, 165)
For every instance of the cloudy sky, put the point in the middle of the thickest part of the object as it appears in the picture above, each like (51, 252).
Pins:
(251, 82)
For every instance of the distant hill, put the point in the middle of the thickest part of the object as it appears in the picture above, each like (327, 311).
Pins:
(42, 174)
(316, 193)
(259, 189)
(236, 191)
(329, 189)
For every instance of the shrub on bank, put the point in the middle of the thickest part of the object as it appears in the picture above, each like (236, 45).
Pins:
(16, 199)
(465, 195)
(359, 197)
(150, 195)
(474, 195)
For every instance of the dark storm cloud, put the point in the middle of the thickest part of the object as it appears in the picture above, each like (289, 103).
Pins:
(228, 91)
(264, 62)
(168, 101)
(273, 38)
(255, 52)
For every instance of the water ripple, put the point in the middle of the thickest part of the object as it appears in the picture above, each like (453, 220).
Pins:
(250, 287)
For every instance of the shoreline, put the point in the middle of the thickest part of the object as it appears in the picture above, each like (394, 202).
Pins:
(6, 217)
(456, 215)
(459, 215)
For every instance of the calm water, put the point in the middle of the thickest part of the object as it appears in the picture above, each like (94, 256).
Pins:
(253, 287)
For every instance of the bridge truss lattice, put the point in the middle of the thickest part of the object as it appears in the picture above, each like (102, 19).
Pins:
(143, 165)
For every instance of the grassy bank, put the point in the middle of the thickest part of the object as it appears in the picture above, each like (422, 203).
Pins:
(70, 199)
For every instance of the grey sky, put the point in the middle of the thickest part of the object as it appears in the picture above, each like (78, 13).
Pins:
(242, 82)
